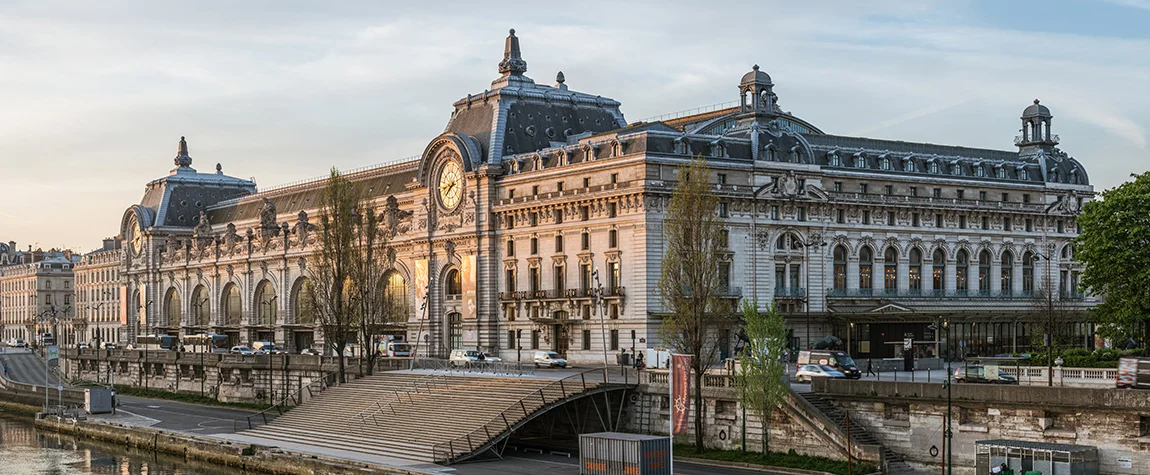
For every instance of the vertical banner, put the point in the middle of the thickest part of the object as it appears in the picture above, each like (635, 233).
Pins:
(420, 279)
(680, 393)
(467, 274)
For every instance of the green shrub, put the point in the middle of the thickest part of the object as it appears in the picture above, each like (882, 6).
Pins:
(791, 459)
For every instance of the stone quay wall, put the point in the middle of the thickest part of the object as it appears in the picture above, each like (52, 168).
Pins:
(225, 377)
(795, 426)
(908, 418)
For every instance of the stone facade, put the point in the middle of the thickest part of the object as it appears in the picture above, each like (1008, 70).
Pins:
(535, 222)
(98, 297)
(38, 288)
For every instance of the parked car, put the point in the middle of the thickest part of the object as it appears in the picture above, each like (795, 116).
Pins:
(242, 350)
(83, 346)
(266, 348)
(17, 343)
(978, 374)
(465, 357)
(492, 359)
(109, 345)
(839, 360)
(549, 359)
(308, 351)
(808, 371)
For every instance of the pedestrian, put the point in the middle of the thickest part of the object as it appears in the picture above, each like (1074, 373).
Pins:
(5, 370)
(869, 368)
(639, 361)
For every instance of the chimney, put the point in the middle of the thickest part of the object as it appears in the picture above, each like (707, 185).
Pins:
(68, 254)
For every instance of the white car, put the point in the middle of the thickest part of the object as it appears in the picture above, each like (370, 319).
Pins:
(549, 359)
(465, 357)
(806, 372)
(242, 350)
(17, 343)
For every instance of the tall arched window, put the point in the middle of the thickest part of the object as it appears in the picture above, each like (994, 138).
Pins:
(938, 270)
(302, 303)
(1028, 273)
(232, 305)
(984, 271)
(840, 267)
(915, 269)
(172, 308)
(456, 322)
(1007, 273)
(866, 267)
(454, 287)
(961, 270)
(396, 294)
(890, 270)
(201, 306)
(266, 299)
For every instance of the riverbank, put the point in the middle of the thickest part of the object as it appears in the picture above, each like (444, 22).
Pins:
(246, 457)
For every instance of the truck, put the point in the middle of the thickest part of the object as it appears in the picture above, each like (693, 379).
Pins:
(393, 346)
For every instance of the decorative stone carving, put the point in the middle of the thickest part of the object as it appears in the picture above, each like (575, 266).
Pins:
(202, 234)
(268, 225)
(787, 186)
(231, 238)
(396, 220)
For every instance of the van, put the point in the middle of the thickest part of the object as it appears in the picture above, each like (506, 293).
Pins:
(266, 347)
(549, 359)
(838, 360)
(1133, 373)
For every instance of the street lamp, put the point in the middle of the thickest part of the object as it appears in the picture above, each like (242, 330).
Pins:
(50, 315)
(147, 335)
(1049, 310)
(947, 447)
(597, 301)
(816, 239)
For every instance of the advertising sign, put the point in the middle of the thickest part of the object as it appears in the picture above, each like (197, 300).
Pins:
(467, 275)
(53, 352)
(680, 392)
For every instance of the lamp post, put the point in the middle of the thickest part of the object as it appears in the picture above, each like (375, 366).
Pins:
(199, 306)
(1049, 310)
(147, 335)
(49, 315)
(948, 435)
(815, 240)
(597, 300)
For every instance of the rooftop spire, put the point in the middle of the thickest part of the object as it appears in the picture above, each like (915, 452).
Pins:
(513, 63)
(182, 157)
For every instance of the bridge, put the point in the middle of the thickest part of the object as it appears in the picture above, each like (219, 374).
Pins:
(441, 416)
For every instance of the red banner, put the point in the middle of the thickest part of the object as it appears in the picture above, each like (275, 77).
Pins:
(680, 393)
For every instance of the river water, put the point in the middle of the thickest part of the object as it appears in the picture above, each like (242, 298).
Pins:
(26, 450)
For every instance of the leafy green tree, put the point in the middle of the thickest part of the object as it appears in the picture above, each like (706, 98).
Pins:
(690, 286)
(761, 383)
(1114, 246)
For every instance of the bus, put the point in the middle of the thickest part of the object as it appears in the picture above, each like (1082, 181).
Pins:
(205, 343)
(46, 339)
(156, 342)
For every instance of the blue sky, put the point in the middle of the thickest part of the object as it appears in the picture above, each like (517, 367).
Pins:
(96, 95)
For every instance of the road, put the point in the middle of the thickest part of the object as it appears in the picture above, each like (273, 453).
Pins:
(25, 367)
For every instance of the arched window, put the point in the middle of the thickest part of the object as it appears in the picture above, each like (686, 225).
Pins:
(915, 269)
(938, 270)
(885, 163)
(201, 306)
(890, 270)
(1028, 273)
(1007, 273)
(266, 299)
(860, 161)
(836, 161)
(984, 271)
(962, 270)
(934, 167)
(1000, 172)
(866, 267)
(172, 307)
(454, 287)
(455, 320)
(302, 302)
(840, 264)
(396, 294)
(232, 305)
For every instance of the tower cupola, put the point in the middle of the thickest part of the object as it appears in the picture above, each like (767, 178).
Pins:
(1036, 128)
(755, 92)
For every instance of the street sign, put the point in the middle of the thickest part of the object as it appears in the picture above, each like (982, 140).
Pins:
(52, 352)
(908, 344)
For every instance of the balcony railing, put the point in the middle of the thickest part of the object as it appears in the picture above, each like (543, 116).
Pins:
(1072, 295)
(730, 292)
(795, 292)
(920, 293)
(930, 201)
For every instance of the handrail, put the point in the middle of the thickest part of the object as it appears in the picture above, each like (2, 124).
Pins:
(494, 367)
(426, 380)
(448, 448)
(279, 405)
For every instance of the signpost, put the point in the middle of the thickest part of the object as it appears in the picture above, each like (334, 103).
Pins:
(51, 353)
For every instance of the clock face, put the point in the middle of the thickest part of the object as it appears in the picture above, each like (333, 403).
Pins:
(450, 184)
(134, 236)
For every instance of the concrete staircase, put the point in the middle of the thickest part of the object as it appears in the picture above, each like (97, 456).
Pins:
(892, 462)
(410, 416)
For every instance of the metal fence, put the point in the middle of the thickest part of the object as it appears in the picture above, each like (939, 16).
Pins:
(486, 366)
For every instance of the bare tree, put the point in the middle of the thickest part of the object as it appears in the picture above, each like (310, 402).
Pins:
(690, 285)
(333, 265)
(1053, 312)
(371, 258)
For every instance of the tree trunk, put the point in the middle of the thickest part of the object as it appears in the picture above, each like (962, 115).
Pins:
(342, 368)
(699, 411)
(765, 425)
(1145, 337)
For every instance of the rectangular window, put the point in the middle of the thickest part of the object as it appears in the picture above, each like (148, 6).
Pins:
(534, 272)
(584, 213)
(914, 191)
(982, 196)
(559, 186)
(614, 178)
(614, 277)
(866, 217)
(1059, 225)
(961, 222)
(586, 339)
(914, 220)
(890, 218)
(510, 339)
(985, 223)
(534, 246)
(534, 339)
(723, 210)
(533, 218)
(775, 212)
(535, 190)
(780, 276)
(838, 186)
(613, 239)
(724, 239)
(722, 178)
(585, 278)
(560, 279)
(559, 244)
(888, 189)
(585, 242)
(842, 216)
(1026, 198)
(961, 194)
(938, 192)
(611, 210)
(586, 182)
(510, 248)
(1005, 197)
(614, 339)
(509, 274)
(725, 276)
(1007, 224)
(938, 221)
(863, 188)
(1029, 225)
(802, 213)
(559, 217)
(511, 194)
